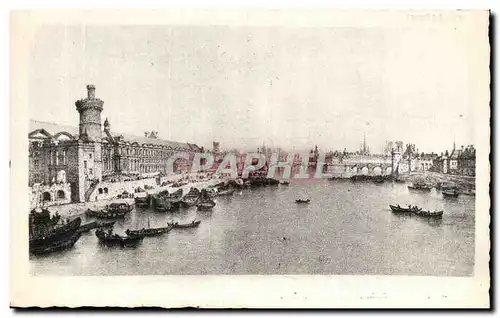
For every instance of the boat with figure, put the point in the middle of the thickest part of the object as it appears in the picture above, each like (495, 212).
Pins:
(429, 214)
(47, 236)
(302, 201)
(177, 225)
(420, 186)
(111, 239)
(111, 211)
(57, 245)
(399, 209)
(149, 231)
(206, 205)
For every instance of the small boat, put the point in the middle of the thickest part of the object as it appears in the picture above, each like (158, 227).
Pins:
(302, 201)
(398, 180)
(111, 211)
(189, 201)
(206, 205)
(149, 231)
(94, 225)
(285, 183)
(399, 209)
(378, 180)
(185, 225)
(449, 193)
(111, 239)
(57, 245)
(430, 214)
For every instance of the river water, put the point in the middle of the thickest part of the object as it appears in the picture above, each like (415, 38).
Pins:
(347, 229)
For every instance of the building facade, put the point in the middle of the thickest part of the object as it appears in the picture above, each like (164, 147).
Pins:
(85, 156)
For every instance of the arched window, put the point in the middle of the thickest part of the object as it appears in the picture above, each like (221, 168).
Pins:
(100, 190)
(61, 195)
(106, 190)
(46, 196)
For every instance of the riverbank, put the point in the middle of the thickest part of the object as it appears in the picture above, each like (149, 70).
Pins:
(71, 210)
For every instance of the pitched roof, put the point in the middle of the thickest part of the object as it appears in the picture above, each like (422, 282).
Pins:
(53, 129)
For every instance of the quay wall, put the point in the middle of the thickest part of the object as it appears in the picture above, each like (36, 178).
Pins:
(49, 195)
(72, 210)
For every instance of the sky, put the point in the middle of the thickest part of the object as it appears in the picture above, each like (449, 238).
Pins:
(285, 87)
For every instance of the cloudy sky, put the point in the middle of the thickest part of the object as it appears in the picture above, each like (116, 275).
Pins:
(245, 86)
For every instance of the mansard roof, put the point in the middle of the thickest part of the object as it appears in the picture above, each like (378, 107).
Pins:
(51, 130)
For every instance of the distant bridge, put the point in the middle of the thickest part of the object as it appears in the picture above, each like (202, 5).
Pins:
(360, 165)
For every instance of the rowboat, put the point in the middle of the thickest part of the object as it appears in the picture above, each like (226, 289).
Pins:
(56, 245)
(111, 239)
(398, 209)
(450, 193)
(185, 225)
(430, 214)
(149, 232)
(94, 225)
(189, 201)
(206, 205)
(302, 201)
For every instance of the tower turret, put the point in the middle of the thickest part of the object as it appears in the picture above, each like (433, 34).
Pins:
(90, 110)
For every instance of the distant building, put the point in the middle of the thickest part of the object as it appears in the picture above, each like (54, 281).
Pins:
(459, 161)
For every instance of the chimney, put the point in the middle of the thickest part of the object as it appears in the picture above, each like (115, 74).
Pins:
(91, 91)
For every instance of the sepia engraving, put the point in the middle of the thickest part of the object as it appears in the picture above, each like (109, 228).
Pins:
(164, 149)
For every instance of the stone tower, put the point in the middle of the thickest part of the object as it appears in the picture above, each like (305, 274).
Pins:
(90, 110)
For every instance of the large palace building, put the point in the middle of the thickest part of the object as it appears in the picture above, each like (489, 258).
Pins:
(68, 163)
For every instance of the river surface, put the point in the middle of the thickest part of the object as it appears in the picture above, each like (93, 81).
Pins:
(347, 229)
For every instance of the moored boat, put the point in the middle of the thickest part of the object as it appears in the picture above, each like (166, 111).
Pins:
(177, 225)
(205, 205)
(94, 225)
(285, 183)
(47, 237)
(112, 239)
(399, 209)
(189, 201)
(149, 231)
(56, 245)
(450, 193)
